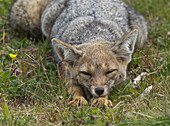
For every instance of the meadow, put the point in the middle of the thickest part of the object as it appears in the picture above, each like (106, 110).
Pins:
(33, 90)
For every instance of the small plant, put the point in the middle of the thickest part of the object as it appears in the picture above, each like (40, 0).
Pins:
(149, 62)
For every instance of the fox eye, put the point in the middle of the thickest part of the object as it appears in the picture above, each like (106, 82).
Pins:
(111, 71)
(85, 73)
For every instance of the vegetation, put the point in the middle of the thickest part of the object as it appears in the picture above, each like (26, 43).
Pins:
(33, 92)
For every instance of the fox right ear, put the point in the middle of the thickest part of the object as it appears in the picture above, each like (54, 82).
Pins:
(70, 53)
(124, 47)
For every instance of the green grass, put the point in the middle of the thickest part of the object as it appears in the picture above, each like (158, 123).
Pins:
(38, 95)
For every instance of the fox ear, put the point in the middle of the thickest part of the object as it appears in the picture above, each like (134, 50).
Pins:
(124, 47)
(70, 53)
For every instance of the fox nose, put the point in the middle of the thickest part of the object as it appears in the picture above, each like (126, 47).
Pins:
(99, 91)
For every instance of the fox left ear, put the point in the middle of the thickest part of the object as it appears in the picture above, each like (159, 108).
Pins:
(70, 53)
(124, 47)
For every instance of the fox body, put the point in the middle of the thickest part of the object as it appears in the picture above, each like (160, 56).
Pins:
(99, 38)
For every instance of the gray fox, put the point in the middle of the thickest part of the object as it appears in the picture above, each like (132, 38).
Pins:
(96, 38)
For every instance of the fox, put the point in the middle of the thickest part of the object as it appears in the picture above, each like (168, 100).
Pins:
(96, 39)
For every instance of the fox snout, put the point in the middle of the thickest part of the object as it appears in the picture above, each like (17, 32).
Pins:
(101, 91)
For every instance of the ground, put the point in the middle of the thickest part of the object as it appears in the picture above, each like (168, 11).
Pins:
(33, 92)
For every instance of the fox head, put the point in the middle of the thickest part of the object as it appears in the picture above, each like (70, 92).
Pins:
(97, 65)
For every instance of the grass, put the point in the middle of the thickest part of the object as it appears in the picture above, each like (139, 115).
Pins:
(36, 93)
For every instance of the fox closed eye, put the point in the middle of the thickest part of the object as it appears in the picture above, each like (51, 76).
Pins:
(85, 73)
(111, 71)
(85, 76)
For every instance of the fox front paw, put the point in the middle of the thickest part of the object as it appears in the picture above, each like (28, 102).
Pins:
(102, 101)
(78, 101)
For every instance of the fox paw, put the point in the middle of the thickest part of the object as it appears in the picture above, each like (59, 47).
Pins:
(102, 101)
(78, 101)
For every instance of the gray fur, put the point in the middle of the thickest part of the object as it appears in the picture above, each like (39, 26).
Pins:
(50, 14)
(82, 21)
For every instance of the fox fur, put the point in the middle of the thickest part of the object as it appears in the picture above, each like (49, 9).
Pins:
(96, 38)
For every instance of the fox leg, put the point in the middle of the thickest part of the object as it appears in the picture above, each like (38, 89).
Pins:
(78, 98)
(50, 14)
(102, 101)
